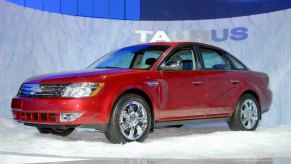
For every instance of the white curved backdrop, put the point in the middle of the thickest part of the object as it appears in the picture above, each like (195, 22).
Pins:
(34, 42)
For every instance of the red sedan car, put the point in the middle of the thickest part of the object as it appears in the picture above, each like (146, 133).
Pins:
(130, 91)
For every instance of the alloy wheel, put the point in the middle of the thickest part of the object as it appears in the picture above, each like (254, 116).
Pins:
(133, 120)
(249, 114)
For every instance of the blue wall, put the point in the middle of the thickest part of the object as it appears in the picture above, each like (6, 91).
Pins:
(112, 9)
(157, 9)
(207, 9)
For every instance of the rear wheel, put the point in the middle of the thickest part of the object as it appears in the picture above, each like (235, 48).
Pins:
(130, 120)
(246, 114)
(58, 132)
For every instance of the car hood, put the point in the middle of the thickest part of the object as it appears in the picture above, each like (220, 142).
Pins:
(88, 75)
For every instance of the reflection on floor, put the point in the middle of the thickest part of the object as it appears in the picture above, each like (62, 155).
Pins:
(5, 158)
(199, 141)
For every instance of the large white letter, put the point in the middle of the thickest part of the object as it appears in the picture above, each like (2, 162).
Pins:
(143, 35)
(160, 36)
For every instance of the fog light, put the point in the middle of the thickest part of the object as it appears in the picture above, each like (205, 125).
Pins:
(69, 117)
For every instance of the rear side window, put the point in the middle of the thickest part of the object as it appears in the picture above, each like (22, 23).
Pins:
(213, 60)
(235, 64)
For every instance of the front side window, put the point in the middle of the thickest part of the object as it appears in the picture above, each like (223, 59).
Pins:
(213, 60)
(134, 57)
(186, 57)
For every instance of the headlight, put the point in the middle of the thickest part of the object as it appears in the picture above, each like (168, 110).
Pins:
(82, 89)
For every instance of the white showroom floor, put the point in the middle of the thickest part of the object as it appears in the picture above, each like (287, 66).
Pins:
(199, 141)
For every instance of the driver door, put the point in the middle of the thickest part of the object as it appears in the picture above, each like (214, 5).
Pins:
(182, 91)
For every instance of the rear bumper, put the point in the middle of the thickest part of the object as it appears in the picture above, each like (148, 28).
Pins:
(47, 111)
(268, 97)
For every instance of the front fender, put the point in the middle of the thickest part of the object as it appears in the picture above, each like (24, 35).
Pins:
(116, 91)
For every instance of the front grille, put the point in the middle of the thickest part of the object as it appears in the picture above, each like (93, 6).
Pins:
(35, 117)
(42, 90)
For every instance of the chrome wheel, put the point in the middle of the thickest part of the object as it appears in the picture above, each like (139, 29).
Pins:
(249, 114)
(133, 120)
(130, 120)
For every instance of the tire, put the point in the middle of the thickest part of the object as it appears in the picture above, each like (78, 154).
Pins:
(62, 132)
(246, 116)
(43, 130)
(57, 132)
(130, 120)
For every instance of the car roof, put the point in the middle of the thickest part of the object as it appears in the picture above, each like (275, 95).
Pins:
(178, 44)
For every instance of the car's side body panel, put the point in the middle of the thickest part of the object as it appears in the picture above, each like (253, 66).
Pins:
(182, 95)
(221, 93)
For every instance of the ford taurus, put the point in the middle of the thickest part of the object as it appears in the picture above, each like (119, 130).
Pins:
(128, 92)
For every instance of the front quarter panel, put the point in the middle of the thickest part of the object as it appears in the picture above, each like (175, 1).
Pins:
(116, 85)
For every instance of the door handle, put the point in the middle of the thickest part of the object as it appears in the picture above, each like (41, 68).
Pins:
(234, 82)
(197, 83)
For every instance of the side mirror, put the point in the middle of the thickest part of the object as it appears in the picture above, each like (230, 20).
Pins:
(172, 66)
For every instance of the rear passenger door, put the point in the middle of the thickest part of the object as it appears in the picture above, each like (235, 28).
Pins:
(221, 82)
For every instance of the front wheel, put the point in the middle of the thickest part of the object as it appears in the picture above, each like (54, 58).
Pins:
(58, 132)
(246, 114)
(130, 120)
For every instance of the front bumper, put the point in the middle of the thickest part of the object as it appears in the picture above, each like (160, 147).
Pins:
(101, 127)
(46, 111)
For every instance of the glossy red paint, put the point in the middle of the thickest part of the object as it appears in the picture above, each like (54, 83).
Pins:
(179, 95)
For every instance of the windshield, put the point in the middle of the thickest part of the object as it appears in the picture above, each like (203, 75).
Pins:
(134, 57)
